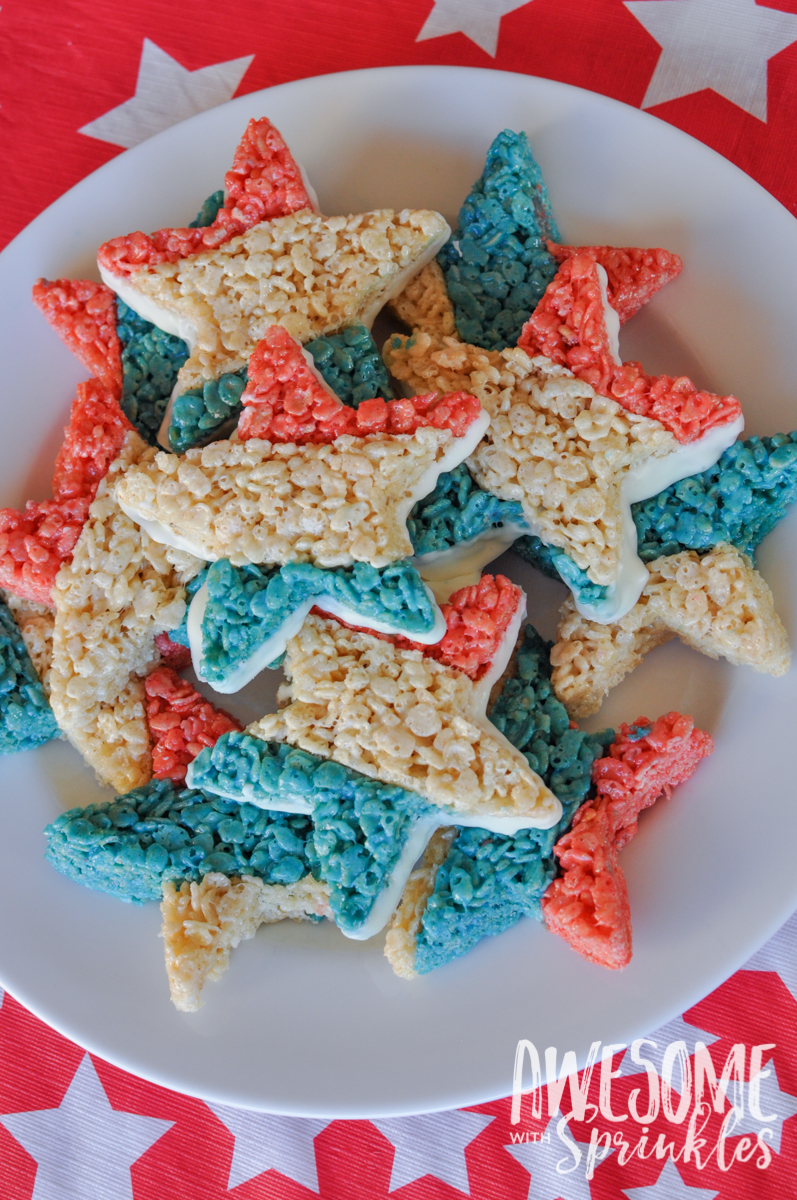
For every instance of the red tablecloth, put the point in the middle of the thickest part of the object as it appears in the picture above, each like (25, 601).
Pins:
(78, 82)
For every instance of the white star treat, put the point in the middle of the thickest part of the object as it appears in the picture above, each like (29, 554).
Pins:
(84, 1148)
(724, 45)
(479, 20)
(166, 93)
(432, 1145)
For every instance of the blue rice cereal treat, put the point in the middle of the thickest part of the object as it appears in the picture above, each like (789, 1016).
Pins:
(739, 500)
(350, 363)
(150, 362)
(367, 834)
(496, 265)
(555, 563)
(458, 529)
(26, 719)
(209, 210)
(241, 618)
(204, 413)
(473, 882)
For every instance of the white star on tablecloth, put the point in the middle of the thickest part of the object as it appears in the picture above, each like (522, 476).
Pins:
(84, 1149)
(676, 1030)
(479, 20)
(540, 1159)
(669, 1186)
(772, 1100)
(432, 1145)
(264, 1142)
(719, 44)
(779, 954)
(166, 93)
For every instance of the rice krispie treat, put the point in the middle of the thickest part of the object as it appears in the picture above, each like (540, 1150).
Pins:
(26, 719)
(258, 501)
(240, 619)
(118, 592)
(573, 459)
(203, 922)
(633, 275)
(35, 542)
(717, 603)
(36, 623)
(472, 882)
(588, 904)
(576, 326)
(181, 723)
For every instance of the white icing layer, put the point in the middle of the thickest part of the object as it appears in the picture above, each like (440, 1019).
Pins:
(611, 318)
(388, 899)
(482, 689)
(640, 483)
(447, 571)
(275, 644)
(459, 449)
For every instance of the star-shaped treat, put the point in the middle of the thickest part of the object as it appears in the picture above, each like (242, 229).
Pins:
(118, 592)
(333, 504)
(575, 460)
(166, 92)
(267, 259)
(588, 904)
(472, 883)
(576, 325)
(717, 603)
(136, 362)
(241, 618)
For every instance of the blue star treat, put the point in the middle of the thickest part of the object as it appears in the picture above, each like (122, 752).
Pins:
(241, 618)
(26, 719)
(150, 362)
(496, 265)
(473, 882)
(350, 363)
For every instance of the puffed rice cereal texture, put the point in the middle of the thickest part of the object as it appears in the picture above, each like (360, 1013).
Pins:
(400, 717)
(553, 444)
(36, 623)
(203, 922)
(312, 274)
(258, 502)
(425, 304)
(401, 939)
(119, 591)
(718, 604)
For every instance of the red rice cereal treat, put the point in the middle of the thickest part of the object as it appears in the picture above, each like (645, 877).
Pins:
(588, 904)
(172, 653)
(717, 604)
(285, 402)
(83, 314)
(34, 543)
(569, 326)
(264, 183)
(477, 620)
(181, 721)
(633, 275)
(403, 718)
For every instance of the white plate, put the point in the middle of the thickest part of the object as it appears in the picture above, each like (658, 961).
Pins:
(305, 1021)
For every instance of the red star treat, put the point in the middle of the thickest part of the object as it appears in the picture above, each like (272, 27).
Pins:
(83, 314)
(576, 326)
(181, 721)
(34, 543)
(633, 275)
(588, 905)
(285, 401)
(264, 183)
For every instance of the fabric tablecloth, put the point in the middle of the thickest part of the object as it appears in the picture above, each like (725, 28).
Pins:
(81, 81)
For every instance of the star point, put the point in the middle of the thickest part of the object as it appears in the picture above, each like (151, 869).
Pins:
(264, 1142)
(84, 1148)
(433, 1145)
(478, 20)
(722, 45)
(166, 92)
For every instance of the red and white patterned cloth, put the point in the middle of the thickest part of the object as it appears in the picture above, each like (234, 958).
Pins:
(79, 81)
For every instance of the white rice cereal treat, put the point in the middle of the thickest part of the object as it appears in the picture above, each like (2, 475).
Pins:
(717, 603)
(403, 718)
(425, 305)
(255, 501)
(401, 937)
(118, 592)
(36, 623)
(310, 273)
(203, 922)
(553, 443)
